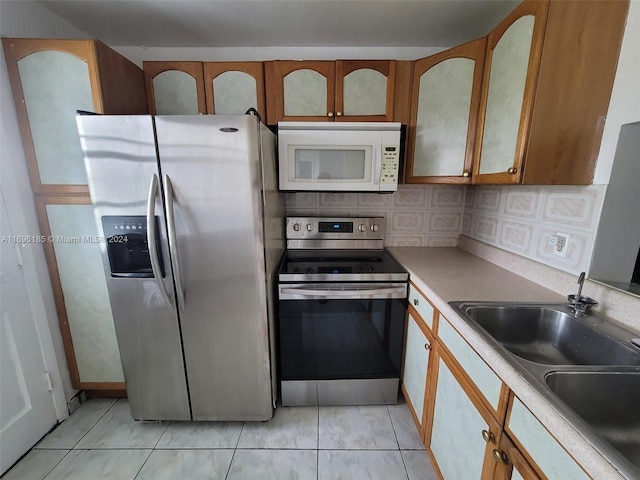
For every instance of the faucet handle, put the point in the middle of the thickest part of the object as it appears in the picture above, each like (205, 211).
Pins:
(581, 303)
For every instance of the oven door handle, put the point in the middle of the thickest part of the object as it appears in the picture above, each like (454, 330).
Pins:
(347, 292)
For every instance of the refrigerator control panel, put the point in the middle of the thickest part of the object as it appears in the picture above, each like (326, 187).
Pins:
(128, 246)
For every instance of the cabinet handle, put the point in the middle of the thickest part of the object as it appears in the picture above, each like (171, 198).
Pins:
(427, 346)
(339, 114)
(330, 114)
(466, 174)
(500, 456)
(512, 170)
(415, 302)
(487, 436)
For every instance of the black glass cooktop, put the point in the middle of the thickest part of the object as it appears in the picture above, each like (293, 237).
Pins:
(340, 265)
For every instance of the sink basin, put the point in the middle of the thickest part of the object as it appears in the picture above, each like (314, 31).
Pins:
(551, 335)
(612, 409)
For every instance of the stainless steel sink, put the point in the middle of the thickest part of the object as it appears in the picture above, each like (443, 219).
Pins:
(586, 367)
(552, 335)
(609, 402)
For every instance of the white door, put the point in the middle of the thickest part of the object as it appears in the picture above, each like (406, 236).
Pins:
(26, 404)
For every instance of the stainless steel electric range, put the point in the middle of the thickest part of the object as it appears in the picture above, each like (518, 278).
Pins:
(342, 303)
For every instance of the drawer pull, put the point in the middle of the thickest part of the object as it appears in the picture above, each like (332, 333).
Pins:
(427, 346)
(415, 301)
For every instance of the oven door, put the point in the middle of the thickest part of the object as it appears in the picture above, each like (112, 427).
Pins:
(341, 344)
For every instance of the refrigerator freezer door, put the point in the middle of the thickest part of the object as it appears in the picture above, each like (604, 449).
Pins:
(213, 164)
(120, 159)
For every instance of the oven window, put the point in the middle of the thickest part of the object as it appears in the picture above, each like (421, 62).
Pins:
(340, 339)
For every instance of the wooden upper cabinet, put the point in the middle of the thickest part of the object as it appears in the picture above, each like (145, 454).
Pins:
(445, 98)
(51, 80)
(234, 87)
(344, 90)
(365, 90)
(549, 72)
(175, 88)
(300, 91)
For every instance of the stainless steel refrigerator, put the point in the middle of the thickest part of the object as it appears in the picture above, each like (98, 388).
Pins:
(190, 218)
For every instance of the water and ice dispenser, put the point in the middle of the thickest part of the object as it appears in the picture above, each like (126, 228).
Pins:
(128, 247)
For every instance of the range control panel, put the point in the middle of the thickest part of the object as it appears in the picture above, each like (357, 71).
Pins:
(342, 228)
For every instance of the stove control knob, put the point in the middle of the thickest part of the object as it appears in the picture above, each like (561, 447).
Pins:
(374, 227)
(362, 227)
(309, 270)
(296, 227)
(309, 227)
(370, 270)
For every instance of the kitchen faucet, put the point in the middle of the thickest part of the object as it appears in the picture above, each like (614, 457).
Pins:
(580, 305)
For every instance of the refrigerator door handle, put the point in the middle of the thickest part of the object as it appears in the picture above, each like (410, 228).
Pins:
(151, 241)
(171, 227)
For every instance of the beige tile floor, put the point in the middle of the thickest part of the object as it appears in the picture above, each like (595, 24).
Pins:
(101, 441)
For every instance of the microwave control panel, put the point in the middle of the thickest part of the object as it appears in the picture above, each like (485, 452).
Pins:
(390, 165)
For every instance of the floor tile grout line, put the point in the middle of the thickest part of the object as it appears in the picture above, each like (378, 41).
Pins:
(235, 449)
(143, 464)
(318, 444)
(52, 468)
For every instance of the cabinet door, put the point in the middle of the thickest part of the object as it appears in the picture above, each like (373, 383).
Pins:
(510, 463)
(463, 435)
(174, 88)
(51, 80)
(234, 87)
(73, 253)
(416, 364)
(512, 62)
(365, 90)
(300, 91)
(444, 107)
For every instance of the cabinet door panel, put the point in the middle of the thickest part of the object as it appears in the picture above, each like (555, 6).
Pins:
(507, 79)
(175, 93)
(544, 450)
(456, 440)
(234, 93)
(443, 118)
(55, 85)
(305, 94)
(416, 362)
(365, 93)
(84, 291)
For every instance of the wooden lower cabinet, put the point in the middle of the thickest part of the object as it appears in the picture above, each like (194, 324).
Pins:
(463, 434)
(473, 428)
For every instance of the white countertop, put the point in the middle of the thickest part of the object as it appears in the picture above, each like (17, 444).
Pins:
(450, 274)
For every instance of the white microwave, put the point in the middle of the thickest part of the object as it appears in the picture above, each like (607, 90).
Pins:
(340, 156)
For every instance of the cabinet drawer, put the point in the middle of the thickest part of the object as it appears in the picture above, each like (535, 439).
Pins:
(484, 378)
(424, 308)
(543, 449)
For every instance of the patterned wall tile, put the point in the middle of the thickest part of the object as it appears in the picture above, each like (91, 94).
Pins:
(521, 203)
(407, 221)
(578, 251)
(443, 221)
(302, 200)
(469, 197)
(578, 207)
(441, 241)
(373, 200)
(446, 196)
(336, 200)
(488, 200)
(466, 223)
(485, 228)
(400, 240)
(410, 196)
(515, 236)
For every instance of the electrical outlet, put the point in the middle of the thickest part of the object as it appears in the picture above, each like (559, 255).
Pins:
(560, 243)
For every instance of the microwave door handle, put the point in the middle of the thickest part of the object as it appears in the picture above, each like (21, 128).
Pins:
(376, 164)
(151, 241)
(173, 243)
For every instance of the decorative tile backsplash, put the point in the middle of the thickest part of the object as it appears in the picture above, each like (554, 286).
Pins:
(417, 215)
(519, 219)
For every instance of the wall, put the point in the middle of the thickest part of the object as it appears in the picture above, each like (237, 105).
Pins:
(28, 19)
(417, 215)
